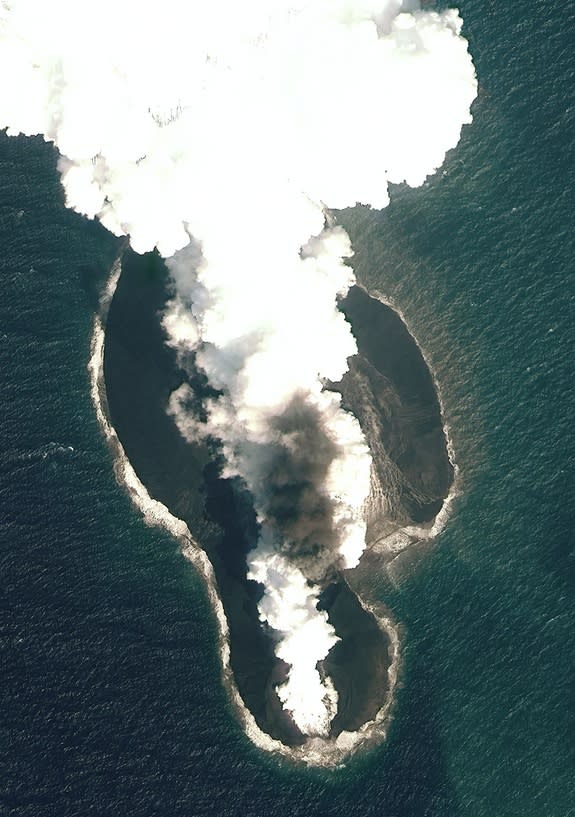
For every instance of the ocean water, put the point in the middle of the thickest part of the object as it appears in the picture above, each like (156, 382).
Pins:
(110, 697)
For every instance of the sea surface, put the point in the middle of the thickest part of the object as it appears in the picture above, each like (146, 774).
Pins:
(110, 693)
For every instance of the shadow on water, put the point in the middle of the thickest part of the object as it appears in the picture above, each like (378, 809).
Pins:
(417, 783)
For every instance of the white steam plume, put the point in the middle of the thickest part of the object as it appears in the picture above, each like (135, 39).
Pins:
(236, 123)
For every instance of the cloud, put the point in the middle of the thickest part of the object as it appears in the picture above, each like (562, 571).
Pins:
(219, 133)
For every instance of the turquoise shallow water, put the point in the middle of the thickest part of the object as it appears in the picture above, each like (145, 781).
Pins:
(109, 680)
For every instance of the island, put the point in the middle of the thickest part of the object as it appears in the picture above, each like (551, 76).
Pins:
(391, 391)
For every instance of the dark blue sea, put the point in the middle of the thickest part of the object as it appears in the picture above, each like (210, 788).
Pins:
(110, 697)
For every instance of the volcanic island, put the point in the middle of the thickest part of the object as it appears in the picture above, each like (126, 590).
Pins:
(391, 391)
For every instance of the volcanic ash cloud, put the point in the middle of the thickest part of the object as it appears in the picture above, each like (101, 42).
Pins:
(219, 133)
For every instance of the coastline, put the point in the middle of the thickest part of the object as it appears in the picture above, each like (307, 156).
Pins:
(403, 537)
(316, 751)
(431, 531)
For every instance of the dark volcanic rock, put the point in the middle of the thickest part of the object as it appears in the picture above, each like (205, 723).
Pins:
(358, 664)
(140, 374)
(390, 390)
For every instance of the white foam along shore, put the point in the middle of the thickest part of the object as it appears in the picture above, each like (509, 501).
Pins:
(272, 88)
(405, 537)
(315, 751)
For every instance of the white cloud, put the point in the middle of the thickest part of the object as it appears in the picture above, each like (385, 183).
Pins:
(236, 123)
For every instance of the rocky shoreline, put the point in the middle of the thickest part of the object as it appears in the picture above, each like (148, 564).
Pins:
(391, 391)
